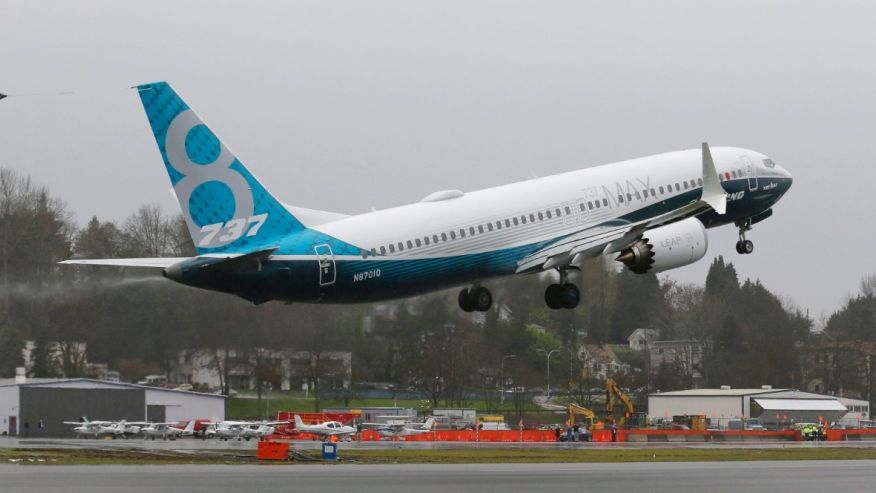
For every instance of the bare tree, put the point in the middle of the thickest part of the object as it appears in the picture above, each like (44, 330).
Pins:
(150, 233)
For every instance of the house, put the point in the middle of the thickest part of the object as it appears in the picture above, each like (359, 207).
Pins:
(601, 362)
(684, 356)
(640, 338)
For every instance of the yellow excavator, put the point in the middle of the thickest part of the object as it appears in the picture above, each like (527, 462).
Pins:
(576, 410)
(612, 391)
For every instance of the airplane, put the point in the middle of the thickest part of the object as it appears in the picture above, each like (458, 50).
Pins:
(325, 429)
(261, 429)
(86, 428)
(403, 429)
(225, 430)
(242, 430)
(168, 430)
(650, 214)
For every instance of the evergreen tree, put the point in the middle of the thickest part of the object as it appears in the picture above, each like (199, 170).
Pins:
(10, 351)
(41, 357)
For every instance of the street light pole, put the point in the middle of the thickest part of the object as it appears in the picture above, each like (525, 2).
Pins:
(549, 354)
(502, 377)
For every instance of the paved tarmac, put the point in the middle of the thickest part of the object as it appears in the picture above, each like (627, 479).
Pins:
(194, 444)
(736, 477)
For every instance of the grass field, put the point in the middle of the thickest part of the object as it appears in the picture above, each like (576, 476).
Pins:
(443, 456)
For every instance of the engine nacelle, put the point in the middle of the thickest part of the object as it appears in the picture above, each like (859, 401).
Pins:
(667, 247)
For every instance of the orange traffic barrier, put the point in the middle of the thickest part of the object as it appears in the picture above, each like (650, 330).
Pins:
(272, 450)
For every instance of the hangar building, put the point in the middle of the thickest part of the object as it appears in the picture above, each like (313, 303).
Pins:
(38, 407)
(766, 404)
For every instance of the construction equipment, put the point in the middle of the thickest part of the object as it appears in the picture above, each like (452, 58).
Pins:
(574, 409)
(612, 390)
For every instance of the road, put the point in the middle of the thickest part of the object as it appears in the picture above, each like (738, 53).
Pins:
(738, 477)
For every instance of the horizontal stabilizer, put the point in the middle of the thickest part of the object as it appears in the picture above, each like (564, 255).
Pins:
(236, 261)
(156, 263)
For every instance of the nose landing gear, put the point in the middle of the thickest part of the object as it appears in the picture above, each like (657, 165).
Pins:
(743, 246)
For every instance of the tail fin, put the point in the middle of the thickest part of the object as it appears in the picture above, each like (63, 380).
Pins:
(190, 426)
(428, 424)
(298, 422)
(225, 207)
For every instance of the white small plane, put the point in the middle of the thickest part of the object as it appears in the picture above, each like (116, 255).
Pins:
(325, 429)
(241, 430)
(224, 430)
(86, 428)
(402, 429)
(260, 429)
(168, 430)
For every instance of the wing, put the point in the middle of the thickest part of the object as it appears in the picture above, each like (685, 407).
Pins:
(156, 263)
(615, 235)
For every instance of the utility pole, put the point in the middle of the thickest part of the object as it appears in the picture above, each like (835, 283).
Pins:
(549, 354)
(502, 377)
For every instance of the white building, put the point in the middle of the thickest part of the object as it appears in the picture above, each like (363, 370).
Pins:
(767, 405)
(859, 410)
(38, 407)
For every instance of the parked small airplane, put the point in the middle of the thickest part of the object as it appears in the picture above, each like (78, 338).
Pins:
(402, 429)
(260, 429)
(86, 428)
(168, 430)
(122, 428)
(241, 430)
(325, 429)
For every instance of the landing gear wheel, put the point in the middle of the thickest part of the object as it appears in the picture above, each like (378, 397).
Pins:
(569, 295)
(743, 246)
(553, 296)
(466, 301)
(481, 298)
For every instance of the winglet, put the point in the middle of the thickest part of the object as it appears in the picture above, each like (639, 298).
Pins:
(713, 192)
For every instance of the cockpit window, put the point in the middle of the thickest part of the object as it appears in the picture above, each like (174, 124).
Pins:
(769, 163)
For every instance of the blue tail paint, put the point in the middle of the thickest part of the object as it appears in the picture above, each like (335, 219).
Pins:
(227, 210)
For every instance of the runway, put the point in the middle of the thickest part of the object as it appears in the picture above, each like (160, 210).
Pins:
(190, 444)
(776, 477)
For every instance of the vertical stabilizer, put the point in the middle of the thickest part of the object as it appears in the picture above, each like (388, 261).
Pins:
(225, 206)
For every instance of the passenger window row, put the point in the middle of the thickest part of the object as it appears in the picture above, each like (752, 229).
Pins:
(679, 186)
(523, 219)
(480, 229)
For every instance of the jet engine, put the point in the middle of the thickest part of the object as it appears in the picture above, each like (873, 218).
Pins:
(667, 247)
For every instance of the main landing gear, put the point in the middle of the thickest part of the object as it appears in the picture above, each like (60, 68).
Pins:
(477, 298)
(743, 246)
(562, 295)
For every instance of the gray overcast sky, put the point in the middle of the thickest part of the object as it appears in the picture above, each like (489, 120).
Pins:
(347, 105)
